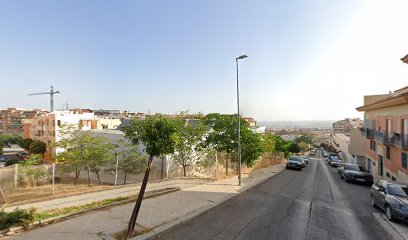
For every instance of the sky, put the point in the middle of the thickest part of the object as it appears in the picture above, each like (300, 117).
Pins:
(307, 60)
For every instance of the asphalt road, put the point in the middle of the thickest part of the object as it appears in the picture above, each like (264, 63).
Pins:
(311, 204)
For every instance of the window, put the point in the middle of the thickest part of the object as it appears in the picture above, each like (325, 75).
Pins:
(59, 123)
(404, 160)
(372, 145)
(388, 153)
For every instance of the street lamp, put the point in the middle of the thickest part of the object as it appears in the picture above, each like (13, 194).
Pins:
(239, 123)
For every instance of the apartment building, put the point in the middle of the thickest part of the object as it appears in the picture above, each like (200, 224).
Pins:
(345, 126)
(11, 119)
(47, 128)
(386, 134)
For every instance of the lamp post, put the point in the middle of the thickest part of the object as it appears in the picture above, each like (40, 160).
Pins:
(239, 123)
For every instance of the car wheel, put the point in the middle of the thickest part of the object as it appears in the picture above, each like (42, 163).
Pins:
(341, 176)
(346, 179)
(287, 167)
(372, 202)
(300, 169)
(388, 212)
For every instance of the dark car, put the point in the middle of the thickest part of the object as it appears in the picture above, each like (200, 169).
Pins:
(355, 173)
(336, 162)
(392, 198)
(295, 163)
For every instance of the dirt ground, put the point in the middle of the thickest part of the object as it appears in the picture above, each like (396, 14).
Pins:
(45, 192)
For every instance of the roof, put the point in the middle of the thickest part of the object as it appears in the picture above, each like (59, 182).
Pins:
(392, 100)
(405, 59)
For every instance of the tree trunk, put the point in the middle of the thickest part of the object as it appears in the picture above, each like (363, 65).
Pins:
(184, 170)
(133, 218)
(77, 172)
(89, 176)
(226, 165)
(162, 168)
(124, 180)
(97, 175)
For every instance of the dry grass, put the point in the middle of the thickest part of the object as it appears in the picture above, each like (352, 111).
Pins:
(45, 192)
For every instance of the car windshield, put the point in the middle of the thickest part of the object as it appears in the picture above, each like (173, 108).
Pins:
(295, 159)
(354, 168)
(398, 190)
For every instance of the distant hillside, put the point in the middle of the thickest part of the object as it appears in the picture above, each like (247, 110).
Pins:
(296, 124)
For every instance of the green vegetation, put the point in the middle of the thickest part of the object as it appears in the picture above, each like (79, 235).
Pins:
(25, 143)
(37, 147)
(52, 213)
(11, 162)
(158, 134)
(130, 161)
(31, 172)
(188, 137)
(10, 138)
(16, 218)
(83, 151)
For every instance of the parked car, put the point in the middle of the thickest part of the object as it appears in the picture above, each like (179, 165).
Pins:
(392, 198)
(325, 154)
(332, 158)
(305, 158)
(355, 173)
(295, 163)
(335, 162)
(2, 158)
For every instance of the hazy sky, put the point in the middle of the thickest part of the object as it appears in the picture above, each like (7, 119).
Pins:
(308, 60)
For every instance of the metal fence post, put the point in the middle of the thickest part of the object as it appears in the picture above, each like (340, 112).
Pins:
(15, 175)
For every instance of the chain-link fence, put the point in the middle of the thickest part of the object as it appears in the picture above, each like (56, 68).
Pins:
(20, 182)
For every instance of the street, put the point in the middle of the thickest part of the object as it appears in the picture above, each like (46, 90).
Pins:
(311, 204)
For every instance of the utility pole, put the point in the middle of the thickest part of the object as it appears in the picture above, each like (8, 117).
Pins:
(51, 93)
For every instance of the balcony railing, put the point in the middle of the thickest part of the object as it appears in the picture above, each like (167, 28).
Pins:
(388, 139)
(367, 132)
(379, 136)
(401, 141)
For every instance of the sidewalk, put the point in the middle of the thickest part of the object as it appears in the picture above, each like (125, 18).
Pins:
(131, 189)
(395, 231)
(156, 214)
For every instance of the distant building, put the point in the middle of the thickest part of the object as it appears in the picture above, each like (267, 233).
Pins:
(251, 121)
(47, 128)
(386, 134)
(344, 126)
(11, 119)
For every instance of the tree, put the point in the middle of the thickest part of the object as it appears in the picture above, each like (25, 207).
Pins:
(10, 138)
(269, 142)
(158, 134)
(189, 135)
(25, 143)
(31, 171)
(130, 161)
(223, 136)
(83, 151)
(304, 147)
(37, 147)
(251, 146)
(1, 148)
(294, 148)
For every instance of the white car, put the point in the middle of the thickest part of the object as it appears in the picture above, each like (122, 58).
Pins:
(305, 159)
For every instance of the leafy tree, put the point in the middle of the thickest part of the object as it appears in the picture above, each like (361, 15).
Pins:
(251, 146)
(130, 161)
(223, 136)
(37, 147)
(269, 142)
(158, 134)
(304, 147)
(31, 171)
(10, 138)
(1, 148)
(83, 151)
(189, 135)
(294, 148)
(25, 143)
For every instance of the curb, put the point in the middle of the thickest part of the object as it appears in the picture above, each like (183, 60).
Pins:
(390, 230)
(150, 194)
(178, 222)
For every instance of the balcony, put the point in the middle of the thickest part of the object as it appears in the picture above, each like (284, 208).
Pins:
(401, 141)
(367, 132)
(379, 136)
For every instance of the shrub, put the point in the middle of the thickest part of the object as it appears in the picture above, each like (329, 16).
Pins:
(11, 162)
(18, 217)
